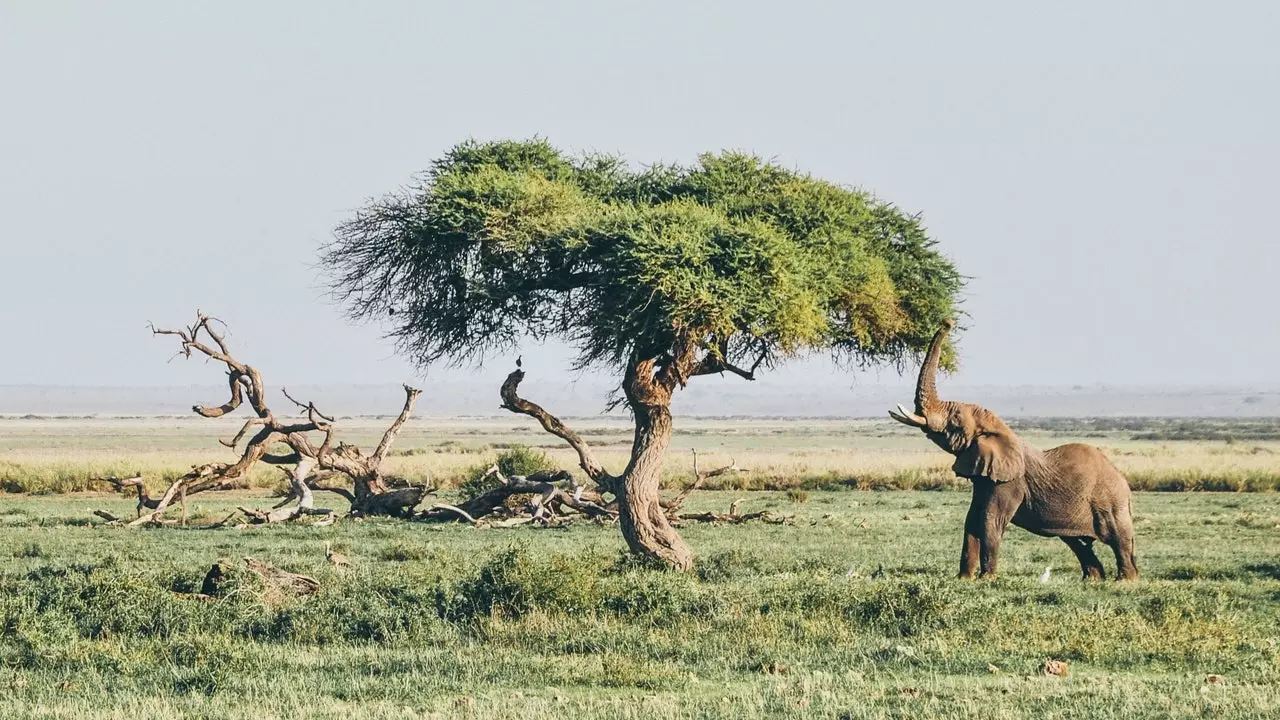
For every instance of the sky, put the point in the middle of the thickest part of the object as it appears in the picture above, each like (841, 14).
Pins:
(1105, 173)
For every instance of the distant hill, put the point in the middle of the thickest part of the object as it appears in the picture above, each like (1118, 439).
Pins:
(707, 397)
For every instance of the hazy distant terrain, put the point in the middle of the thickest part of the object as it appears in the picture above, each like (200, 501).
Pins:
(705, 398)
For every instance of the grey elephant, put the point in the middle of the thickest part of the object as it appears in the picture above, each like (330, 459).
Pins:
(1072, 491)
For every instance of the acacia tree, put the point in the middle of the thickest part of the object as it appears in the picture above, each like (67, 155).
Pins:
(662, 274)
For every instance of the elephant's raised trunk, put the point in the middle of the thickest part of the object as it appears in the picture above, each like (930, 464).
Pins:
(926, 390)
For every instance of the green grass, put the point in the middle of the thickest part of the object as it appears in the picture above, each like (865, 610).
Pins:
(850, 612)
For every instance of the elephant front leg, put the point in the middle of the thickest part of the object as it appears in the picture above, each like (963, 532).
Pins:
(990, 549)
(971, 551)
(969, 556)
(995, 506)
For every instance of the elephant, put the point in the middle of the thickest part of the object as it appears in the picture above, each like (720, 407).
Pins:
(1072, 491)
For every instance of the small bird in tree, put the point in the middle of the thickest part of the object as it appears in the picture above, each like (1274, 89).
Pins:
(518, 361)
(336, 559)
(596, 252)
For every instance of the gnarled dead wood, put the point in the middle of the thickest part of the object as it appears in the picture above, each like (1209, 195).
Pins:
(370, 493)
(145, 501)
(512, 401)
(276, 581)
(111, 519)
(699, 479)
(547, 500)
(734, 518)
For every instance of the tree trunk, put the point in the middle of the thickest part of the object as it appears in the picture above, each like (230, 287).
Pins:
(644, 522)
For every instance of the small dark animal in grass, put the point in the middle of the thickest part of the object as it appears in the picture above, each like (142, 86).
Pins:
(1072, 491)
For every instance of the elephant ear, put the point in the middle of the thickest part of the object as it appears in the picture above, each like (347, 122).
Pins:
(997, 456)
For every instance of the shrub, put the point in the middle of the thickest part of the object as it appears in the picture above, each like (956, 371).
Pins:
(728, 565)
(514, 584)
(515, 460)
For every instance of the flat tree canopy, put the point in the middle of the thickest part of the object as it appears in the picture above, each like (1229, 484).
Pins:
(663, 273)
(505, 241)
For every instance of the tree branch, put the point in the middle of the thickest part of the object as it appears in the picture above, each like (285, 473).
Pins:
(516, 404)
(699, 479)
(380, 453)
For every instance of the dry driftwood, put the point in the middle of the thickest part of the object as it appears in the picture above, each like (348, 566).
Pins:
(699, 479)
(111, 519)
(735, 518)
(369, 493)
(548, 503)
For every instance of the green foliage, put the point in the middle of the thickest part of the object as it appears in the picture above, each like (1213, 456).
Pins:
(733, 255)
(515, 460)
(514, 584)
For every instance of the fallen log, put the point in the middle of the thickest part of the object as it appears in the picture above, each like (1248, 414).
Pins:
(547, 501)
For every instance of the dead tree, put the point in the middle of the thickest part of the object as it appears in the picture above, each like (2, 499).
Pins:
(309, 465)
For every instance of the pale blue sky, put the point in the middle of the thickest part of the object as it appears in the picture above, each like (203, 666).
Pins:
(1106, 172)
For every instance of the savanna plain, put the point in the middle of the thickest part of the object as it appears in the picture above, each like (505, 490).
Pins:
(849, 609)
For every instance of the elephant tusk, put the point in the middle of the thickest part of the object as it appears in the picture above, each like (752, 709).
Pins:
(906, 417)
(901, 419)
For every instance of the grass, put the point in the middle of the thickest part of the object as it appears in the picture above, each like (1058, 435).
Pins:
(850, 612)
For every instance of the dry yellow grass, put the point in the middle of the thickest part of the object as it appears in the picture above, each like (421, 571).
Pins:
(61, 455)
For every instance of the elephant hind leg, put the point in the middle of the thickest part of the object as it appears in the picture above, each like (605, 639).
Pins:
(1121, 543)
(1090, 565)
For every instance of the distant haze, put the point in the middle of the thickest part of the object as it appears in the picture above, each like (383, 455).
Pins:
(472, 398)
(1104, 172)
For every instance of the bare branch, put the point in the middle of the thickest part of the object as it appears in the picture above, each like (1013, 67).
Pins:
(716, 361)
(513, 402)
(699, 479)
(380, 453)
(251, 422)
(455, 510)
(312, 412)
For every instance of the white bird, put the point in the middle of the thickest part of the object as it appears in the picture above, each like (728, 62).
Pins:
(1044, 576)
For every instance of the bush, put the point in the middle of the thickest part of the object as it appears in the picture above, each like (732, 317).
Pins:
(904, 609)
(514, 584)
(515, 460)
(728, 565)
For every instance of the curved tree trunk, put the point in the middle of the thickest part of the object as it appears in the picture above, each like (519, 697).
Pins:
(644, 521)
